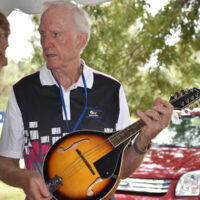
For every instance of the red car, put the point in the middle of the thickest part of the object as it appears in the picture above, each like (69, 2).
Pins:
(171, 168)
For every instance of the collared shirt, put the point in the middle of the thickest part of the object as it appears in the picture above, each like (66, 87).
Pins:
(12, 140)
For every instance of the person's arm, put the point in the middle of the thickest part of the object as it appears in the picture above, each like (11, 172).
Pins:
(11, 149)
(155, 120)
(31, 182)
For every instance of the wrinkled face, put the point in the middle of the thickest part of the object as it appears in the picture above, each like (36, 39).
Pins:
(58, 37)
(3, 46)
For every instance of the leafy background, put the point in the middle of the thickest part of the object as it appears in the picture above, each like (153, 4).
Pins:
(151, 55)
(125, 39)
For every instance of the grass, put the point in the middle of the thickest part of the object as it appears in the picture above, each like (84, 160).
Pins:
(10, 193)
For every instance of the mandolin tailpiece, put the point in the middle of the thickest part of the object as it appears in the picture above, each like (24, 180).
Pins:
(54, 183)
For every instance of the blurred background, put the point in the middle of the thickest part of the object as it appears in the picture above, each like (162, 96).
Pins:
(151, 47)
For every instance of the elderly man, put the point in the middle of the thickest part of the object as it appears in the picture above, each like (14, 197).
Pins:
(64, 96)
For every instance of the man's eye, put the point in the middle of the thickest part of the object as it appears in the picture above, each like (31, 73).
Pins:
(42, 34)
(56, 34)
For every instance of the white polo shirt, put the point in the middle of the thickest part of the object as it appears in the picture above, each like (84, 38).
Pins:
(12, 137)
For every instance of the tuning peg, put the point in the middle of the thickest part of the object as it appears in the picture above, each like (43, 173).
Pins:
(196, 105)
(176, 95)
(171, 98)
(183, 91)
(182, 104)
(191, 108)
(187, 91)
(187, 101)
(181, 94)
(192, 98)
(186, 111)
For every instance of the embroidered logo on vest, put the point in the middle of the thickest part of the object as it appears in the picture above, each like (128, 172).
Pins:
(94, 113)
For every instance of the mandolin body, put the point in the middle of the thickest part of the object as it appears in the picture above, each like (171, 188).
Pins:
(88, 164)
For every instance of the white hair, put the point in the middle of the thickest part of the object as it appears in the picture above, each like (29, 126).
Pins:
(80, 16)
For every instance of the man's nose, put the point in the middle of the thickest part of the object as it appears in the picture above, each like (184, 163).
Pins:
(7, 44)
(46, 41)
(4, 43)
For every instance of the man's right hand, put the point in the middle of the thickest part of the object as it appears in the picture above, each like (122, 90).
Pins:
(31, 182)
(35, 187)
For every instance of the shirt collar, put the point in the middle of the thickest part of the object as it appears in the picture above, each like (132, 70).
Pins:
(47, 79)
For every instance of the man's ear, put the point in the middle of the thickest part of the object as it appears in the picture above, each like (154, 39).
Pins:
(82, 39)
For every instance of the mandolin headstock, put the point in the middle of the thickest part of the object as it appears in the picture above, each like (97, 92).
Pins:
(185, 98)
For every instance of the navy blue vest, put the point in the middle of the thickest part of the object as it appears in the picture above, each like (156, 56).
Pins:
(43, 104)
(41, 109)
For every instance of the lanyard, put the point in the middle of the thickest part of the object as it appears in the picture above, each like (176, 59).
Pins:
(64, 107)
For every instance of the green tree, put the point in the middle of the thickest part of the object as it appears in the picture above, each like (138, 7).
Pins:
(130, 37)
(8, 76)
(125, 37)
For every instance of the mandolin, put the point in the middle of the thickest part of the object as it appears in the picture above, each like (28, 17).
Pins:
(86, 164)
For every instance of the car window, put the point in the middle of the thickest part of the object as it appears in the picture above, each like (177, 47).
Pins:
(185, 133)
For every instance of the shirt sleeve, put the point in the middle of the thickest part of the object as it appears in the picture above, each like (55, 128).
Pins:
(124, 114)
(12, 136)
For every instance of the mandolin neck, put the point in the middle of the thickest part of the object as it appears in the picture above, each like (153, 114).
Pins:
(179, 101)
(125, 134)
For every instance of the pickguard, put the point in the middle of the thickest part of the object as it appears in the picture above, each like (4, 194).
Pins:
(106, 165)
